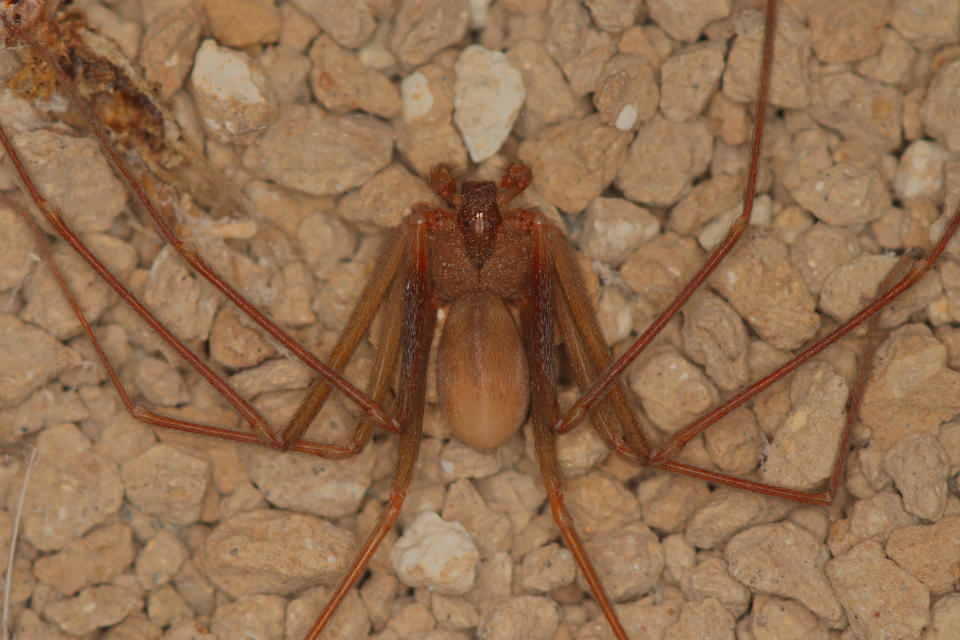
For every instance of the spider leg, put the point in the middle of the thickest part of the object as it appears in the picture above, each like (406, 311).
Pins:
(609, 377)
(416, 321)
(259, 425)
(538, 323)
(384, 272)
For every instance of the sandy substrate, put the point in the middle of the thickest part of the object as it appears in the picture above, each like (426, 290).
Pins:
(325, 117)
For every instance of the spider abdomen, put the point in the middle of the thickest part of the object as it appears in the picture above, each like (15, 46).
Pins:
(482, 375)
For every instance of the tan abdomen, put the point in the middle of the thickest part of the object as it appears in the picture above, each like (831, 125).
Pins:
(482, 375)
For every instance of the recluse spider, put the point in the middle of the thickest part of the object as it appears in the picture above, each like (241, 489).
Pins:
(492, 266)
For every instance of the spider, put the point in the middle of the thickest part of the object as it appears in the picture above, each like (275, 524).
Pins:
(508, 281)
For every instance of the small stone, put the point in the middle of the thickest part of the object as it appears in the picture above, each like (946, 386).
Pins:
(861, 109)
(457, 460)
(31, 359)
(731, 118)
(97, 557)
(686, 20)
(318, 153)
(877, 515)
(311, 484)
(689, 77)
(195, 588)
(930, 553)
(523, 618)
(804, 448)
(710, 579)
(488, 94)
(377, 594)
(944, 618)
(819, 251)
(166, 483)
(385, 199)
(574, 161)
(16, 247)
(576, 46)
(491, 530)
(160, 383)
(668, 501)
(844, 194)
(325, 240)
(288, 71)
(734, 442)
(72, 174)
(454, 612)
(927, 25)
(272, 551)
(706, 619)
(550, 98)
(613, 228)
(672, 390)
(436, 554)
(716, 230)
(706, 201)
(48, 308)
(349, 22)
(761, 283)
(165, 607)
(244, 23)
(613, 16)
(846, 290)
(256, 616)
(232, 93)
(94, 608)
(168, 48)
(548, 568)
(679, 558)
(629, 560)
(180, 298)
(729, 511)
(342, 83)
(715, 336)
(920, 171)
(272, 375)
(30, 627)
(425, 132)
(234, 344)
(909, 388)
(411, 619)
(950, 439)
(891, 65)
(627, 93)
(870, 611)
(849, 32)
(940, 107)
(598, 502)
(918, 465)
(784, 560)
(616, 317)
(421, 29)
(659, 268)
(580, 450)
(72, 489)
(663, 160)
(776, 618)
(349, 621)
(789, 81)
(160, 559)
